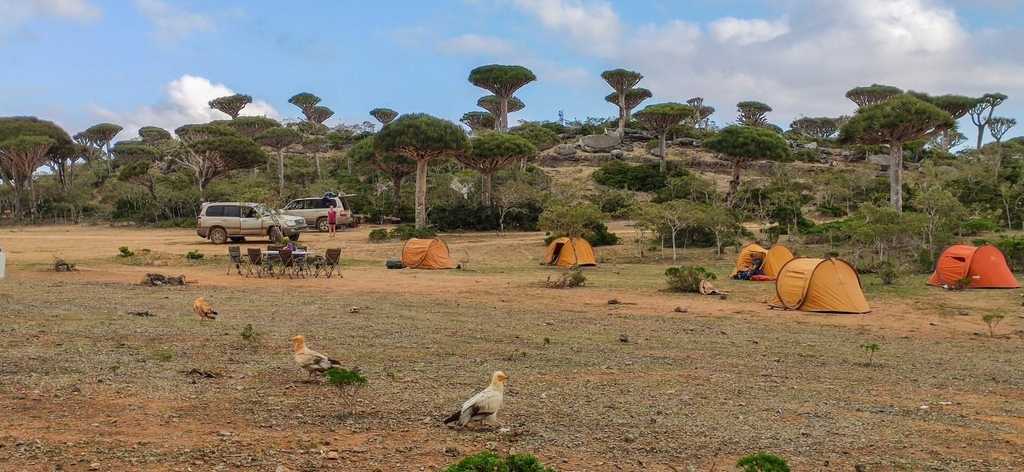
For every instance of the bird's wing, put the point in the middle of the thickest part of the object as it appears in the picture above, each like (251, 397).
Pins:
(486, 402)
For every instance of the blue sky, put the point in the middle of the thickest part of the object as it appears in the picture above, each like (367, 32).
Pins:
(142, 62)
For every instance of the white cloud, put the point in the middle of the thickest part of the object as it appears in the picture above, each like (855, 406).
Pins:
(17, 12)
(171, 24)
(186, 102)
(474, 44)
(803, 62)
(744, 32)
(592, 25)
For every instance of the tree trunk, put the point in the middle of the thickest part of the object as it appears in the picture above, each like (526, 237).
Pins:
(32, 198)
(421, 193)
(734, 183)
(202, 189)
(280, 172)
(396, 204)
(663, 152)
(981, 134)
(348, 163)
(503, 116)
(622, 115)
(896, 176)
(673, 244)
(319, 174)
(487, 188)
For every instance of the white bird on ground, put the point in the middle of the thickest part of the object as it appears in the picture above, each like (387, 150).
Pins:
(483, 406)
(313, 362)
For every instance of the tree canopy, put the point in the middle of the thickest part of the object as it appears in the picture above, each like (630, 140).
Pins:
(956, 105)
(501, 80)
(621, 79)
(872, 94)
(250, 126)
(662, 116)
(492, 151)
(753, 113)
(304, 100)
(384, 115)
(478, 120)
(230, 105)
(818, 128)
(895, 121)
(541, 137)
(741, 144)
(492, 103)
(421, 136)
(279, 138)
(633, 97)
(153, 134)
(319, 114)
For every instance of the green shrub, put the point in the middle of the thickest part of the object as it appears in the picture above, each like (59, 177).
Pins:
(249, 334)
(124, 251)
(491, 462)
(977, 225)
(571, 279)
(379, 235)
(466, 216)
(408, 231)
(687, 278)
(613, 201)
(1013, 248)
(806, 155)
(194, 255)
(623, 176)
(762, 462)
(887, 272)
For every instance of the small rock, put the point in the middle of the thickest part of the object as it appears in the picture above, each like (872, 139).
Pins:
(224, 433)
(614, 301)
(354, 309)
(680, 309)
(451, 451)
(94, 466)
(723, 297)
(331, 455)
(623, 338)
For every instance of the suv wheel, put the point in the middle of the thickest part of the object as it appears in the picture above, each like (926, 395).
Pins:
(275, 235)
(218, 236)
(321, 225)
(294, 237)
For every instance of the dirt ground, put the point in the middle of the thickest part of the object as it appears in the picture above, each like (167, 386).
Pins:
(84, 385)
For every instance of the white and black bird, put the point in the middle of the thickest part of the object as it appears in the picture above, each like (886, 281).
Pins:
(313, 362)
(483, 406)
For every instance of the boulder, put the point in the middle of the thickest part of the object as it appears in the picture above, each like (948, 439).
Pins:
(565, 150)
(618, 154)
(810, 146)
(879, 159)
(600, 142)
(687, 142)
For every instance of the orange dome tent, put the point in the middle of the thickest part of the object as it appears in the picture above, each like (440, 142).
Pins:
(569, 252)
(985, 266)
(426, 254)
(772, 259)
(820, 285)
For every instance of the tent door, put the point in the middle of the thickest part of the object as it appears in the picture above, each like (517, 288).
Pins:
(557, 252)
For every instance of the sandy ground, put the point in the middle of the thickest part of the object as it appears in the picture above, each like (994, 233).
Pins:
(87, 386)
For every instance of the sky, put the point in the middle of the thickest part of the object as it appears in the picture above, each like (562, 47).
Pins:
(158, 62)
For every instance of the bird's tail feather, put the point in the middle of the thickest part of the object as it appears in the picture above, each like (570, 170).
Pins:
(453, 418)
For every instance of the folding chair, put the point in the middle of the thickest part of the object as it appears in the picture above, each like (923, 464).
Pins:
(332, 262)
(235, 259)
(287, 262)
(257, 263)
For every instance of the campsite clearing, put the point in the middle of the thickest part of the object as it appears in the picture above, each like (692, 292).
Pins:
(85, 382)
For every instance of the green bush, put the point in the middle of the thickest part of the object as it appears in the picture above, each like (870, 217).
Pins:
(687, 278)
(379, 235)
(409, 231)
(466, 216)
(977, 225)
(491, 462)
(194, 255)
(124, 251)
(1013, 249)
(887, 272)
(762, 462)
(613, 201)
(623, 176)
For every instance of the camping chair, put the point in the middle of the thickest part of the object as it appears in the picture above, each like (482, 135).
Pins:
(287, 263)
(331, 263)
(235, 259)
(256, 265)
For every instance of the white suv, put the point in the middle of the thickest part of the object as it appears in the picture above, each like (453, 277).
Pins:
(314, 211)
(223, 221)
